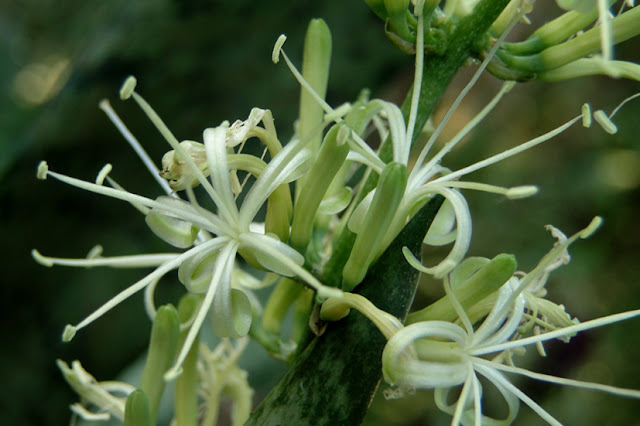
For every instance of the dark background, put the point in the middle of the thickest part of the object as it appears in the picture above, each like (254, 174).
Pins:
(201, 62)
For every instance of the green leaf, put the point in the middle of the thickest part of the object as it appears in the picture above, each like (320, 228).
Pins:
(334, 379)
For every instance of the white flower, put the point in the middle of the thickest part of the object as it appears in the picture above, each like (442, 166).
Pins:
(442, 355)
(212, 240)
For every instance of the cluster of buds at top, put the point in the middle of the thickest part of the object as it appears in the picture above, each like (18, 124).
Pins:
(579, 42)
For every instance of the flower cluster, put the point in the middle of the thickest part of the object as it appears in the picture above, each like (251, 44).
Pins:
(315, 245)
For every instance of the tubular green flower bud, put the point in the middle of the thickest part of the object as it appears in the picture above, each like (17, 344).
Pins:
(384, 205)
(330, 158)
(316, 60)
(554, 32)
(136, 412)
(592, 66)
(473, 289)
(397, 19)
(623, 27)
(162, 349)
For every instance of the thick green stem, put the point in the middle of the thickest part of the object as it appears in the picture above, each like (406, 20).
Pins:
(333, 380)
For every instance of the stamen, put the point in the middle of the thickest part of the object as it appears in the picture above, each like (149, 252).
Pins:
(514, 193)
(43, 170)
(213, 244)
(103, 173)
(422, 172)
(171, 139)
(69, 333)
(128, 87)
(509, 153)
(209, 221)
(614, 390)
(93, 260)
(137, 147)
(586, 115)
(277, 51)
(593, 227)
(605, 122)
(275, 55)
(524, 191)
(566, 331)
(630, 98)
(467, 88)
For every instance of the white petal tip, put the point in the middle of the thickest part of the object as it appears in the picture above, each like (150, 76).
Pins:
(521, 192)
(593, 227)
(275, 55)
(128, 87)
(172, 374)
(44, 261)
(43, 169)
(68, 333)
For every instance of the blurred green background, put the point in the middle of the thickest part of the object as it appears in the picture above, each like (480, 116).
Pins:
(201, 62)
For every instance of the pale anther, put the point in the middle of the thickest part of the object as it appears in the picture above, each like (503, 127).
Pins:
(68, 333)
(103, 173)
(586, 115)
(275, 56)
(605, 122)
(128, 87)
(43, 169)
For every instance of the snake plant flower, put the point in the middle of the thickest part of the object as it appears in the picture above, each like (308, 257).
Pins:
(211, 240)
(443, 355)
